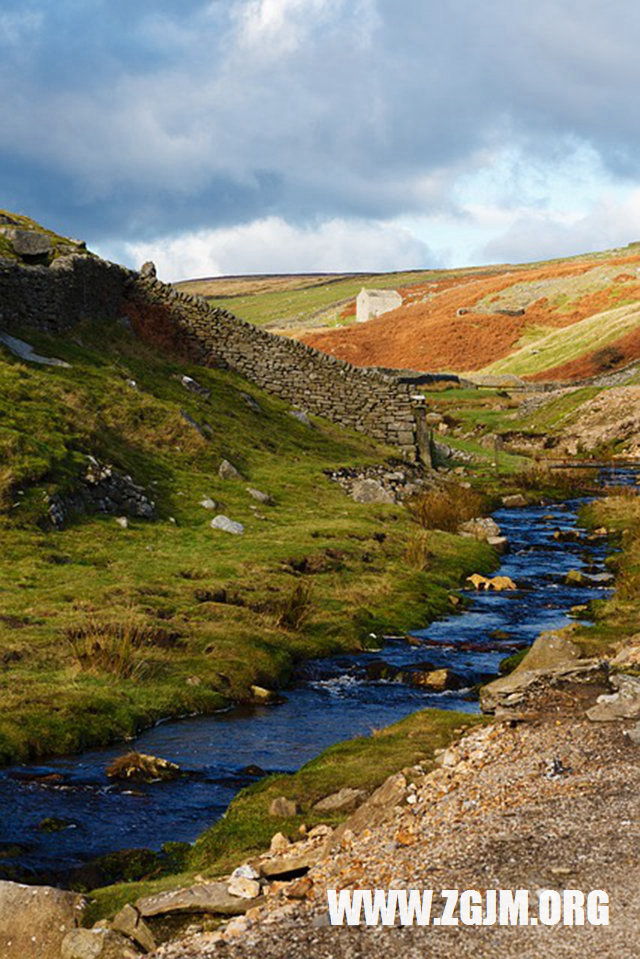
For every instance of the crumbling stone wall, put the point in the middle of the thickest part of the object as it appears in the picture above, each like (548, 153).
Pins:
(377, 403)
(57, 297)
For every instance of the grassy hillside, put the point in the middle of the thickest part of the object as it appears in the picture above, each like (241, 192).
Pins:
(560, 347)
(104, 629)
(298, 303)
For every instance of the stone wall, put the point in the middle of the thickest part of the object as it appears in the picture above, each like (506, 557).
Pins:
(378, 404)
(57, 297)
(83, 287)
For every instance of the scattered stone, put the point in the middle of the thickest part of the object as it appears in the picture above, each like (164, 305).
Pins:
(208, 503)
(370, 491)
(251, 402)
(34, 920)
(284, 808)
(227, 471)
(246, 871)
(260, 496)
(342, 801)
(301, 417)
(148, 269)
(244, 888)
(299, 888)
(499, 543)
(623, 703)
(122, 522)
(436, 680)
(279, 842)
(130, 923)
(265, 696)
(140, 767)
(227, 525)
(98, 943)
(194, 387)
(56, 824)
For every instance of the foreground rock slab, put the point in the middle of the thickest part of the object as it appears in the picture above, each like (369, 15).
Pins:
(34, 920)
(208, 897)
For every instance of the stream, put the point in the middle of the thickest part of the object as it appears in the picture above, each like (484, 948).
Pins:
(329, 701)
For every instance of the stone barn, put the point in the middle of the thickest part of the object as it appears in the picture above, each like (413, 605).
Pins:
(372, 303)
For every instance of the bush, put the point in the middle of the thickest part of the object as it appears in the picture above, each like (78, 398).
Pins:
(446, 508)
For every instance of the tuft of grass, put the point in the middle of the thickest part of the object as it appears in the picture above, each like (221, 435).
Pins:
(445, 509)
(418, 554)
(110, 647)
(295, 608)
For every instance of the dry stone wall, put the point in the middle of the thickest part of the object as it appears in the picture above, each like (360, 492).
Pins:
(82, 287)
(376, 403)
(57, 297)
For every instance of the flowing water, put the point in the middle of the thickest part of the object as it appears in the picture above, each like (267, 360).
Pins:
(331, 700)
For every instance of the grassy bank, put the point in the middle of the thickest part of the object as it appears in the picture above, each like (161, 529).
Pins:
(616, 619)
(362, 763)
(103, 629)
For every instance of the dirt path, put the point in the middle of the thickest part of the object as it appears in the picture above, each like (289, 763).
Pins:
(549, 803)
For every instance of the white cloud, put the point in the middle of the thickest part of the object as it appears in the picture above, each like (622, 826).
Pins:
(272, 245)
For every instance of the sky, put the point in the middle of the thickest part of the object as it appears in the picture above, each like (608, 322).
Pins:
(261, 136)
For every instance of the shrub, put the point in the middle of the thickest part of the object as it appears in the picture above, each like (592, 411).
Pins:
(446, 508)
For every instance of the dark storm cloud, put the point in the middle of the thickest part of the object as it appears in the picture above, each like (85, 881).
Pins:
(133, 120)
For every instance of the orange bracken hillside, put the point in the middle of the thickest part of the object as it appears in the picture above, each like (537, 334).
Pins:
(426, 333)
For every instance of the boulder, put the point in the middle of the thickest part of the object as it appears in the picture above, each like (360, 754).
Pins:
(265, 696)
(370, 491)
(131, 924)
(481, 528)
(342, 801)
(375, 810)
(552, 648)
(284, 808)
(227, 525)
(207, 897)
(279, 844)
(299, 856)
(208, 503)
(227, 471)
(577, 577)
(98, 943)
(629, 656)
(34, 920)
(498, 582)
(622, 703)
(28, 242)
(148, 269)
(436, 680)
(140, 767)
(499, 543)
(244, 888)
(514, 500)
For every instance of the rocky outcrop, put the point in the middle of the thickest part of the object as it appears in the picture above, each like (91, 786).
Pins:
(34, 920)
(102, 489)
(390, 483)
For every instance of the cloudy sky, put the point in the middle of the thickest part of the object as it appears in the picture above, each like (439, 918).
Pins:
(233, 136)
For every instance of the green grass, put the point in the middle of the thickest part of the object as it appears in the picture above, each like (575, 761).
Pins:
(616, 618)
(569, 343)
(194, 655)
(247, 828)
